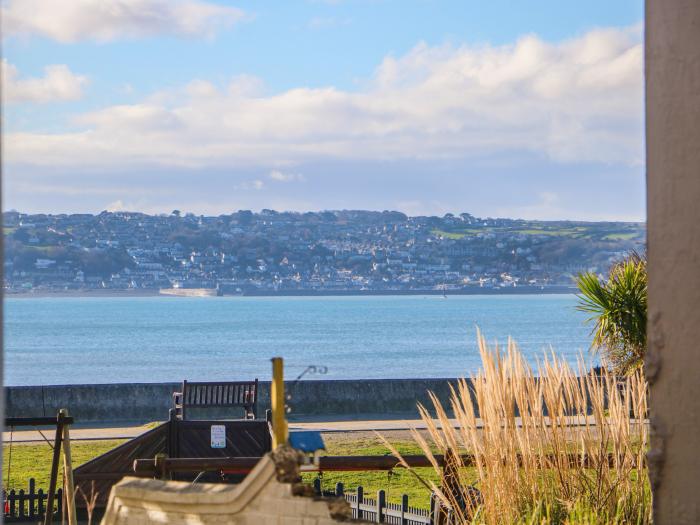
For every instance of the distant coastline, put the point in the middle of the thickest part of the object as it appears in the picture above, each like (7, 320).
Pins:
(330, 253)
(81, 293)
(205, 292)
(512, 290)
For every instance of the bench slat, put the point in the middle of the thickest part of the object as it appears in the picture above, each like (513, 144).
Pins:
(217, 394)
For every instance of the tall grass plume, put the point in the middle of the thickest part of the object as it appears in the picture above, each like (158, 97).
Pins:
(552, 444)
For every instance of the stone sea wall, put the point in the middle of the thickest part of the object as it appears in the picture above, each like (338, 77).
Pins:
(151, 401)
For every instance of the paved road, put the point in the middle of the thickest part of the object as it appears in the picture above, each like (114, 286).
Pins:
(82, 433)
(101, 432)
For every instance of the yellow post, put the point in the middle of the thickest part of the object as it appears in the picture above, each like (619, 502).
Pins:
(279, 419)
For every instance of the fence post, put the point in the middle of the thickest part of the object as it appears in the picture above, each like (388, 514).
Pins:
(404, 509)
(360, 496)
(433, 508)
(21, 503)
(381, 504)
(40, 497)
(59, 503)
(32, 497)
(317, 486)
(13, 503)
(339, 490)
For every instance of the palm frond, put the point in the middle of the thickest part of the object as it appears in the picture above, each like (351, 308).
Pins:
(618, 308)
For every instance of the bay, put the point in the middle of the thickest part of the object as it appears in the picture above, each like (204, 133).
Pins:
(153, 339)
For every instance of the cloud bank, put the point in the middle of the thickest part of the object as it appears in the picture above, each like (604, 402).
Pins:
(106, 20)
(282, 176)
(576, 101)
(57, 84)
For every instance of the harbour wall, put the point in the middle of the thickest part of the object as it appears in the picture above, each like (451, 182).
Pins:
(143, 402)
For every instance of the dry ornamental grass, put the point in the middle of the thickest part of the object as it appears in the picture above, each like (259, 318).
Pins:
(549, 446)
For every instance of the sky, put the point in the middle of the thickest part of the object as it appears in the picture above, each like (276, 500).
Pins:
(502, 108)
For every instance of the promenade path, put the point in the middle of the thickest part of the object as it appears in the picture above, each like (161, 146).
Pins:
(87, 432)
(125, 431)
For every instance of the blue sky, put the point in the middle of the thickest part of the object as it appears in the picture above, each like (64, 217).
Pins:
(502, 108)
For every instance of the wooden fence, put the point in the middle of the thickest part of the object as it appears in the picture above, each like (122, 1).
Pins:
(29, 506)
(378, 510)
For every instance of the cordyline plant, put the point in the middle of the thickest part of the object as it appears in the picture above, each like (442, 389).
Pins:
(619, 311)
(545, 447)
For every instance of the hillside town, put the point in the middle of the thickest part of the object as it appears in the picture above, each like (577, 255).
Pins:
(274, 252)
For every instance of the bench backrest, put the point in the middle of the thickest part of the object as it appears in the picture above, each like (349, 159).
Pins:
(222, 394)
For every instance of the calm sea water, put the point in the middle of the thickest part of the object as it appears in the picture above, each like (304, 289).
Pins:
(152, 339)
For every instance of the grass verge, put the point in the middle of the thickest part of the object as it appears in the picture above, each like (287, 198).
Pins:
(33, 460)
(395, 483)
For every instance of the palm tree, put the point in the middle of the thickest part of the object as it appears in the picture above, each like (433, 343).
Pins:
(619, 310)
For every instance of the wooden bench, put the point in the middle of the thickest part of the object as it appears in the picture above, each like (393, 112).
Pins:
(225, 394)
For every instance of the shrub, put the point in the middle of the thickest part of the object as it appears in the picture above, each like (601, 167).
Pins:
(619, 308)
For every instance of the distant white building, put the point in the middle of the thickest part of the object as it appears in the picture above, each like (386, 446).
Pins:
(44, 264)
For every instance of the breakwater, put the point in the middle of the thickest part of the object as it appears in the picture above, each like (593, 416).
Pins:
(151, 401)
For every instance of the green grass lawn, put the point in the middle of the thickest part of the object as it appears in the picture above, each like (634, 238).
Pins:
(396, 483)
(34, 461)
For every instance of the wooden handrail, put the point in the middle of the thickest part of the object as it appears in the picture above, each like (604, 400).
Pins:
(241, 465)
(36, 421)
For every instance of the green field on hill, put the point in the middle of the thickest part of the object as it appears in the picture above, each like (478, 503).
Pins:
(601, 232)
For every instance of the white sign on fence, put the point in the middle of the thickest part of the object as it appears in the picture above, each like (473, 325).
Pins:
(218, 436)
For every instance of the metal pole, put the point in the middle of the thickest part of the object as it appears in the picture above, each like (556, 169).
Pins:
(279, 420)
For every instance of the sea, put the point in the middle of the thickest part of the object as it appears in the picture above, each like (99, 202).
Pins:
(67, 340)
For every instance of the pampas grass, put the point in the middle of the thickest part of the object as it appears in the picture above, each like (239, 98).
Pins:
(550, 445)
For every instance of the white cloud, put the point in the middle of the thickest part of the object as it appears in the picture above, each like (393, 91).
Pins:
(58, 83)
(201, 88)
(115, 206)
(576, 101)
(72, 189)
(256, 184)
(423, 207)
(106, 20)
(549, 206)
(328, 22)
(283, 176)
